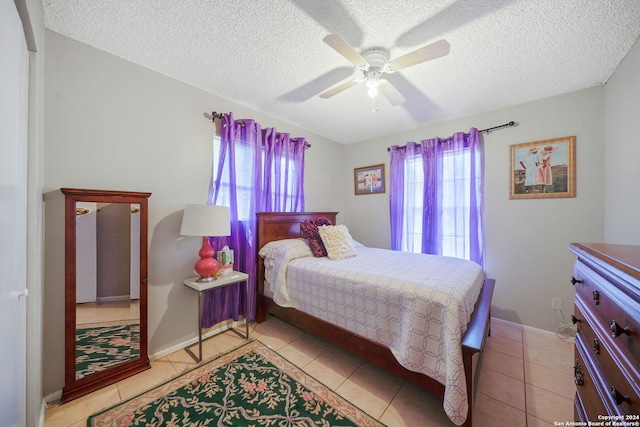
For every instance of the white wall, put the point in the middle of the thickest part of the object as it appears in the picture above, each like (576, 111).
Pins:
(114, 125)
(622, 160)
(527, 240)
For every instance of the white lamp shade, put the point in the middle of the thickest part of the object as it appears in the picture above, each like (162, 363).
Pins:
(205, 221)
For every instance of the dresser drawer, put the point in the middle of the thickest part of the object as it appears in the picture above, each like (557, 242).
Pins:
(615, 375)
(615, 310)
(588, 393)
(579, 413)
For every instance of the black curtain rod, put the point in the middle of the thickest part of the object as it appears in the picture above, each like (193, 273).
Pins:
(487, 130)
(506, 125)
(213, 116)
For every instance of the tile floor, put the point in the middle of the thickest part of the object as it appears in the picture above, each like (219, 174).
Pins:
(526, 379)
(110, 311)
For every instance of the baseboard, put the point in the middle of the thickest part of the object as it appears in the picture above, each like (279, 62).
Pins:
(220, 328)
(114, 298)
(49, 398)
(43, 413)
(56, 395)
(532, 329)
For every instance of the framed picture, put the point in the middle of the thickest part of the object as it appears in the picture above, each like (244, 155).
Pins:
(369, 180)
(544, 169)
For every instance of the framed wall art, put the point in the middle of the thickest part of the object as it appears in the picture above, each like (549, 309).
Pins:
(543, 169)
(369, 179)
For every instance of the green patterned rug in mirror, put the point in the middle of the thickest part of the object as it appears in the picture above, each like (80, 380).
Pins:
(249, 386)
(99, 347)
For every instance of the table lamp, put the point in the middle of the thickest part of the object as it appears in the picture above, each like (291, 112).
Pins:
(206, 221)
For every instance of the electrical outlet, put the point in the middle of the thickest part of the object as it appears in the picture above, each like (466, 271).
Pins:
(556, 303)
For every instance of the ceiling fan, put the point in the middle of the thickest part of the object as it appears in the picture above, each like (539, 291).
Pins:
(374, 62)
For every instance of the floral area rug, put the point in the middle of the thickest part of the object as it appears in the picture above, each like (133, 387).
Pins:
(101, 346)
(249, 386)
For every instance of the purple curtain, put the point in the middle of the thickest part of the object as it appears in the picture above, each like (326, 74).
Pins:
(396, 195)
(258, 170)
(431, 154)
(420, 210)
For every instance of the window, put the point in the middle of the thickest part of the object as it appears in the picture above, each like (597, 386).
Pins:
(435, 197)
(412, 224)
(453, 208)
(455, 205)
(245, 175)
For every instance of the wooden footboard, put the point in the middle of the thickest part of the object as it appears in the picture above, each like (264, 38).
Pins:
(478, 330)
(277, 226)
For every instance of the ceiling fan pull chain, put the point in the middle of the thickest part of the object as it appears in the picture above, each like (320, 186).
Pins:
(373, 105)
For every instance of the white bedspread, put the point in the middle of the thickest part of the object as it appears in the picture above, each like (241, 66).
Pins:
(417, 305)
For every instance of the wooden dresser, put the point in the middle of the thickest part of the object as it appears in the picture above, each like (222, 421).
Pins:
(607, 346)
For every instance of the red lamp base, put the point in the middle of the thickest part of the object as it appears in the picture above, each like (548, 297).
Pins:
(207, 265)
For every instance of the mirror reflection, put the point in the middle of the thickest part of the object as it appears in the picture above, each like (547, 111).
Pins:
(107, 286)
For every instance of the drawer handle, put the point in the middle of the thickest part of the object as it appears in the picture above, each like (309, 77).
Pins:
(596, 297)
(619, 397)
(574, 281)
(574, 319)
(617, 330)
(578, 376)
(596, 346)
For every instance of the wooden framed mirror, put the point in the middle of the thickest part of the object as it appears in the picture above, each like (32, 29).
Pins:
(105, 288)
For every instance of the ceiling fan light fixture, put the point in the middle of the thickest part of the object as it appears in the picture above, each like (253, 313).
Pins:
(372, 86)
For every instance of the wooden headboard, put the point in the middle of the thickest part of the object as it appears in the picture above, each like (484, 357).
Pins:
(277, 226)
(285, 225)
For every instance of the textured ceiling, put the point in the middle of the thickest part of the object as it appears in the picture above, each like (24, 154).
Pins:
(269, 54)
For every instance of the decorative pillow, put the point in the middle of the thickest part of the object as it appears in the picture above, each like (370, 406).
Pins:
(309, 230)
(337, 241)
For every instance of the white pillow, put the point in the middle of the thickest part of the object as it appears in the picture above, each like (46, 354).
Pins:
(278, 254)
(288, 249)
(337, 241)
(356, 244)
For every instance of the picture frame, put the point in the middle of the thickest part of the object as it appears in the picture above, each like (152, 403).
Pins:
(369, 180)
(543, 169)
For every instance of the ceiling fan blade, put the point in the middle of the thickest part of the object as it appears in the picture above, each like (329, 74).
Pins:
(391, 93)
(423, 54)
(343, 48)
(337, 89)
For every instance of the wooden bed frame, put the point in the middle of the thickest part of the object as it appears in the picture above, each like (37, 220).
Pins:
(286, 225)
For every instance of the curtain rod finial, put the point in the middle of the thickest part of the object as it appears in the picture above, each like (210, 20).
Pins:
(213, 116)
